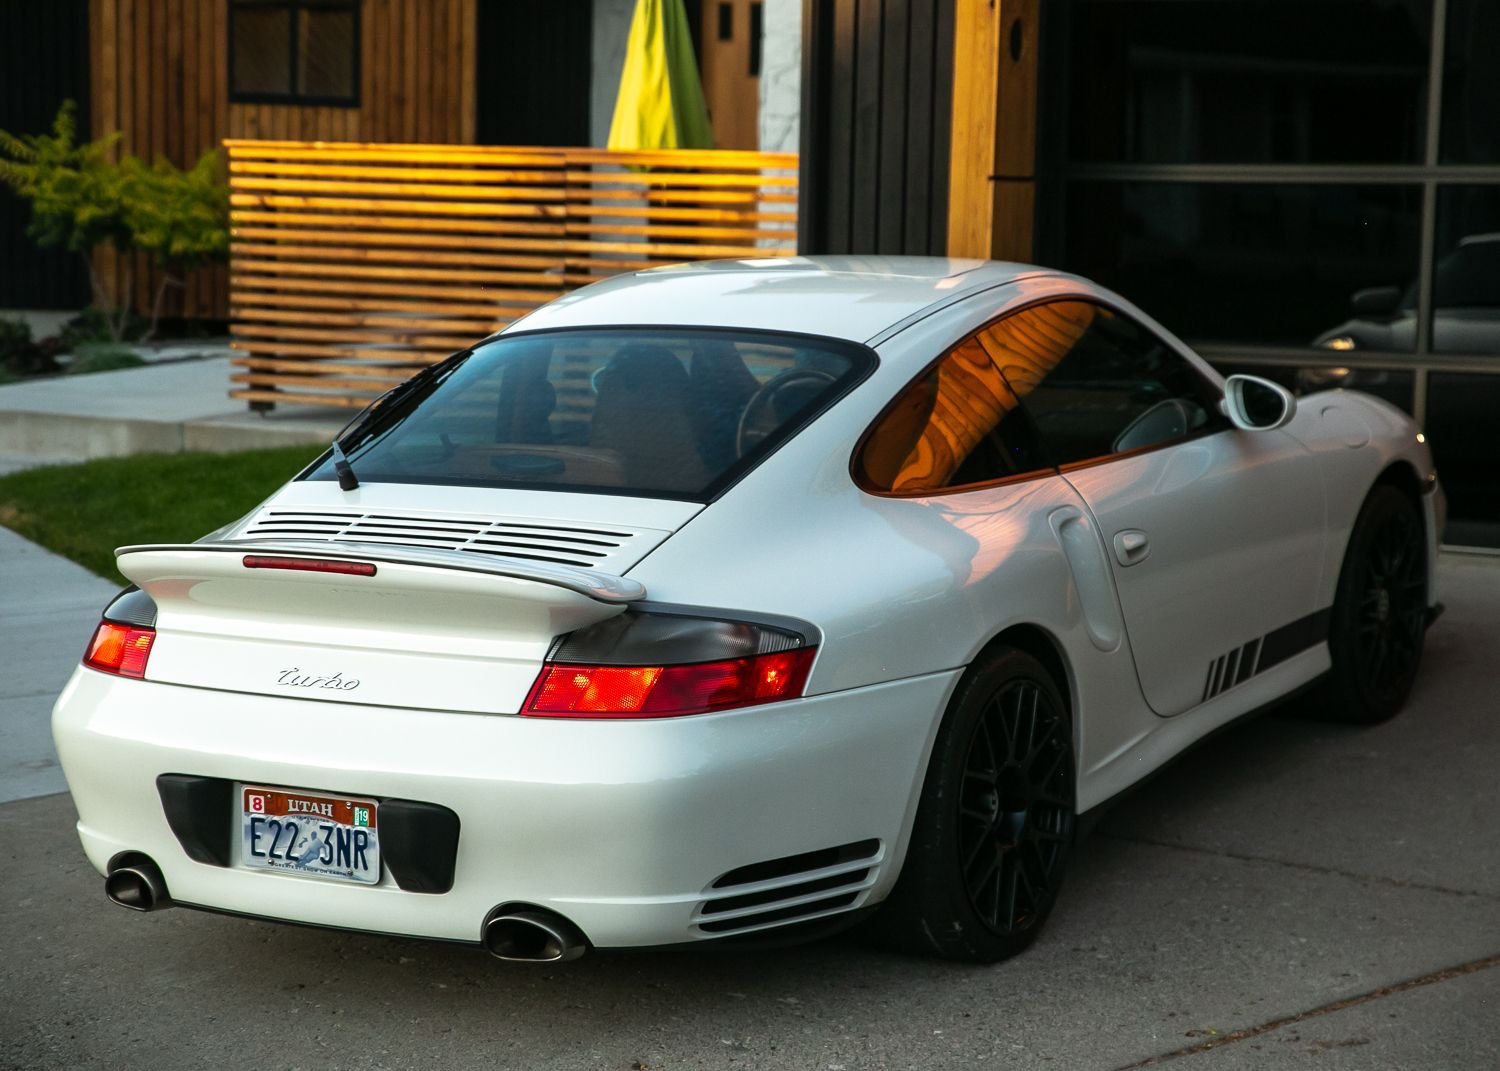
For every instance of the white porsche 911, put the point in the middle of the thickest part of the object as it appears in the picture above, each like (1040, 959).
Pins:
(733, 601)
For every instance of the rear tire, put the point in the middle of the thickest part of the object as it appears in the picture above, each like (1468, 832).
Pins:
(996, 819)
(1379, 617)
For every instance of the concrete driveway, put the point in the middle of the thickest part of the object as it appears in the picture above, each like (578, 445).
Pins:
(1292, 895)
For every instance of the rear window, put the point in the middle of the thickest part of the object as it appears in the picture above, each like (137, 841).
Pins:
(657, 413)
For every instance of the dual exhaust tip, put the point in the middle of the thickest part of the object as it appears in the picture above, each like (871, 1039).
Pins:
(515, 934)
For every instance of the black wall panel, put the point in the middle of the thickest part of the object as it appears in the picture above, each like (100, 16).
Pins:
(43, 61)
(877, 85)
(533, 71)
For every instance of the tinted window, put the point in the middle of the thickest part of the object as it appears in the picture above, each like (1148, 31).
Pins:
(1112, 386)
(676, 414)
(957, 425)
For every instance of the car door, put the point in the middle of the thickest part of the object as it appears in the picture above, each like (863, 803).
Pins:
(1214, 534)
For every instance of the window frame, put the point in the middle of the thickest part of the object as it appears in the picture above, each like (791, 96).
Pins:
(293, 97)
(1196, 363)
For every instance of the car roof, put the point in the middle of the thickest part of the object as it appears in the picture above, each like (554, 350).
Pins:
(850, 297)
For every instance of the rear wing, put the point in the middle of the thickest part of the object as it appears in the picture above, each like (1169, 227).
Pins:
(602, 587)
(413, 627)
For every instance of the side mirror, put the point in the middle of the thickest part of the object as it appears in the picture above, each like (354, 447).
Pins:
(1256, 404)
(1376, 300)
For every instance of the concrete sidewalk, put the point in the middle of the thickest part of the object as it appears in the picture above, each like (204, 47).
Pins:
(52, 605)
(161, 408)
(51, 608)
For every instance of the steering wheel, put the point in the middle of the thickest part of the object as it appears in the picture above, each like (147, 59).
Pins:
(1169, 419)
(766, 411)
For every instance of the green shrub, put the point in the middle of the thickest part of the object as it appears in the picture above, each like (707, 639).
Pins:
(102, 357)
(20, 355)
(83, 200)
(97, 325)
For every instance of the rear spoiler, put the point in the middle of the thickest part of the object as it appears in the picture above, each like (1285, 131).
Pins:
(603, 587)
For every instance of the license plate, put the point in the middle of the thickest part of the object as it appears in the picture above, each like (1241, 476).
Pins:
(309, 833)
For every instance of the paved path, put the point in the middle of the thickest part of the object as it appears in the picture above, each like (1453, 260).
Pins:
(165, 408)
(50, 608)
(1293, 895)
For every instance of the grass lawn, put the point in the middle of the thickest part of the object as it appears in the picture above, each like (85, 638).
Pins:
(84, 512)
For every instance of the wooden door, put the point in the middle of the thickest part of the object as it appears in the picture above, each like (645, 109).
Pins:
(729, 55)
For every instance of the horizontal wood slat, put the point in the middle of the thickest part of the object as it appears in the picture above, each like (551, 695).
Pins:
(353, 264)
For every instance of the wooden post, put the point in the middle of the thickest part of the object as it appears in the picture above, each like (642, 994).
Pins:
(992, 173)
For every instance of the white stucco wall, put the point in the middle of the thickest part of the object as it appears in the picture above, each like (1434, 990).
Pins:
(781, 76)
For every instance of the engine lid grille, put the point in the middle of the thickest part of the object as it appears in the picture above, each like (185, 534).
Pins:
(610, 548)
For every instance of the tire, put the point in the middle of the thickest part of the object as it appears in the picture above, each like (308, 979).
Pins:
(1379, 616)
(996, 820)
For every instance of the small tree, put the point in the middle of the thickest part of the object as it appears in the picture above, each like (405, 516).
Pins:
(82, 200)
(179, 218)
(75, 195)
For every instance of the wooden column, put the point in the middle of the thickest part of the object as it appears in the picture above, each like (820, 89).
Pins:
(992, 175)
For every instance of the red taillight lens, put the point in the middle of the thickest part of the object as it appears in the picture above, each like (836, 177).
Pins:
(668, 691)
(121, 649)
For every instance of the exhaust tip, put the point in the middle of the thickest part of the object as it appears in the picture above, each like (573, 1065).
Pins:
(136, 883)
(531, 935)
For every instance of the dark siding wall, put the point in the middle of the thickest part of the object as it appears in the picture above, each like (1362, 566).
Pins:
(533, 72)
(43, 61)
(877, 93)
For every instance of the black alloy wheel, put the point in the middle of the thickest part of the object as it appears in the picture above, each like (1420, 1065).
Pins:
(996, 819)
(1015, 820)
(1379, 617)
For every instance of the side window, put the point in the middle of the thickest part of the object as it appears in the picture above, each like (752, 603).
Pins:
(956, 425)
(1105, 385)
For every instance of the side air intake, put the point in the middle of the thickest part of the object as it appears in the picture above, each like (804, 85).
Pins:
(792, 889)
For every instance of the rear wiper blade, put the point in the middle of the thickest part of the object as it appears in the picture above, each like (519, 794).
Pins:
(345, 471)
(348, 481)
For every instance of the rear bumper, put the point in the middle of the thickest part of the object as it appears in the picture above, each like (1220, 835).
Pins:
(621, 827)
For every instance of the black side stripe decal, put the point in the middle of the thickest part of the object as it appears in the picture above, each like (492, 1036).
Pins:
(1242, 663)
(1295, 638)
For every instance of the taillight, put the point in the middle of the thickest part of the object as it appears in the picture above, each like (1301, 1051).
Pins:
(121, 649)
(669, 691)
(662, 665)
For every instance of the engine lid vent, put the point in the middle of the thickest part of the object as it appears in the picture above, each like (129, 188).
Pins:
(610, 548)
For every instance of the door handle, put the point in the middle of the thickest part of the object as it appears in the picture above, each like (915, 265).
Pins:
(1131, 546)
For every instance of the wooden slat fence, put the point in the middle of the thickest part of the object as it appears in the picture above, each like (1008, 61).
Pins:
(352, 264)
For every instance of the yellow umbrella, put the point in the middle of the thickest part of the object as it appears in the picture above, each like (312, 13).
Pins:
(660, 104)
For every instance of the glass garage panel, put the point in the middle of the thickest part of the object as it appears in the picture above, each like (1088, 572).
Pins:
(1251, 81)
(1250, 263)
(1471, 83)
(1466, 277)
(1460, 428)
